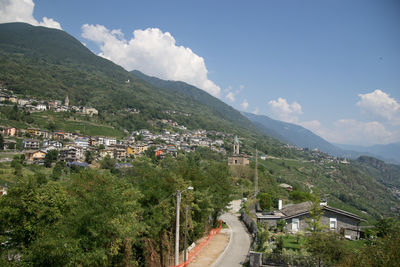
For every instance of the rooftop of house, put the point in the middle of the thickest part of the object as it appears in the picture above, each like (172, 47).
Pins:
(294, 210)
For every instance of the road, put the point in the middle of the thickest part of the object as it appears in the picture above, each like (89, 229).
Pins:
(239, 244)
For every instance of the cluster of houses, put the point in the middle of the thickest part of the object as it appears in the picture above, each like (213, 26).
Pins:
(72, 147)
(33, 105)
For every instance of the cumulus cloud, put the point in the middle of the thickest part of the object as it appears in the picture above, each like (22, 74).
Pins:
(285, 111)
(381, 105)
(256, 111)
(230, 96)
(22, 11)
(153, 52)
(245, 104)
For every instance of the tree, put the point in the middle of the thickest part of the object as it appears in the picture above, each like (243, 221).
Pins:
(107, 163)
(16, 163)
(89, 156)
(58, 170)
(300, 196)
(385, 226)
(327, 248)
(1, 142)
(316, 211)
(262, 237)
(382, 251)
(29, 208)
(278, 245)
(50, 157)
(265, 201)
(280, 225)
(51, 126)
(104, 220)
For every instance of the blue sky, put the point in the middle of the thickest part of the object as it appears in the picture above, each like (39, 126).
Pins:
(331, 66)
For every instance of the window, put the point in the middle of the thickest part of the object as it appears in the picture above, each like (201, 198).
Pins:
(332, 223)
(295, 224)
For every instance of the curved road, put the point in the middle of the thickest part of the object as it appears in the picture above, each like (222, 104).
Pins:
(239, 245)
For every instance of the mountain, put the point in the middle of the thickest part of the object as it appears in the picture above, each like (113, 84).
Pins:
(296, 135)
(390, 152)
(387, 174)
(199, 96)
(54, 64)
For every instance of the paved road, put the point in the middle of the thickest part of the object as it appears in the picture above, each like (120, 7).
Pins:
(239, 244)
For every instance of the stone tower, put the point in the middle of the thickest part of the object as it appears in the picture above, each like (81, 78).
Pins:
(236, 146)
(66, 101)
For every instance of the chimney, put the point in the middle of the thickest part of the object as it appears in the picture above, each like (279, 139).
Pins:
(279, 204)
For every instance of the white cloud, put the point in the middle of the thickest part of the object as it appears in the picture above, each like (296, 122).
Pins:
(230, 96)
(154, 53)
(381, 105)
(245, 104)
(285, 111)
(350, 131)
(22, 11)
(256, 111)
(314, 125)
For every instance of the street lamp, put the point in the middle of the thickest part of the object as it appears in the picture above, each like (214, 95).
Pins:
(178, 203)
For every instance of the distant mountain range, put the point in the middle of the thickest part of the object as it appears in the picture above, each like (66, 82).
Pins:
(388, 152)
(301, 137)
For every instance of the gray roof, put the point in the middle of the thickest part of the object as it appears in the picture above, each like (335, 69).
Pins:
(296, 209)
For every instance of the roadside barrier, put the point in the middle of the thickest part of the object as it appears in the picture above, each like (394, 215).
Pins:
(199, 247)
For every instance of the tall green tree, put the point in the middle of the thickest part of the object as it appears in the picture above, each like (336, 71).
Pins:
(50, 157)
(314, 221)
(29, 208)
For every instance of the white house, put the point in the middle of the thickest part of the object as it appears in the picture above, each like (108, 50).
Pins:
(41, 107)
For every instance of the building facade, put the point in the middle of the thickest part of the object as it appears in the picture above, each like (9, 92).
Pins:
(236, 159)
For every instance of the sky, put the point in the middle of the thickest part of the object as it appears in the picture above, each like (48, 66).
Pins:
(332, 66)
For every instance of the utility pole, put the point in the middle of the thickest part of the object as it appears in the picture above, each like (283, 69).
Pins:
(256, 176)
(178, 203)
(186, 233)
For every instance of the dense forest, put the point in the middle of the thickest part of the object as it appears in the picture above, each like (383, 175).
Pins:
(109, 217)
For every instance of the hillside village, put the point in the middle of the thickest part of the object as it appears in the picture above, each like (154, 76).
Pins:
(72, 146)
